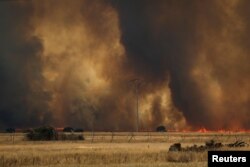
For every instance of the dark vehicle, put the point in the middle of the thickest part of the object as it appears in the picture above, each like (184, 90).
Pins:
(68, 129)
(161, 129)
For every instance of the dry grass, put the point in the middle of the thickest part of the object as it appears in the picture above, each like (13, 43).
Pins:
(85, 153)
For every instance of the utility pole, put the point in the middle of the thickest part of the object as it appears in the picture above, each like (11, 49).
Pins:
(137, 84)
(92, 114)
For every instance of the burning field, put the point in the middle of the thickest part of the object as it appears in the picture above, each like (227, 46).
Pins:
(71, 63)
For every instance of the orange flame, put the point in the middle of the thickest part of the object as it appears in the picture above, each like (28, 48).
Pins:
(204, 130)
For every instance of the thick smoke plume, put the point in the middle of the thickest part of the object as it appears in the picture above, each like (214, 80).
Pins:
(200, 45)
(23, 102)
(74, 63)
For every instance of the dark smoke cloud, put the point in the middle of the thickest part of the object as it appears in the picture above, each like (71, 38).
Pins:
(157, 36)
(83, 65)
(166, 37)
(62, 63)
(22, 100)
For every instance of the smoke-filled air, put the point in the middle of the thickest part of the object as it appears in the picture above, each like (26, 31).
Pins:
(84, 63)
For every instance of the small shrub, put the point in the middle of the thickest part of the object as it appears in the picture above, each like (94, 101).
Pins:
(42, 133)
(10, 130)
(49, 133)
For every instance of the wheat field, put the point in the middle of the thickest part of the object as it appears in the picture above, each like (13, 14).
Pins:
(106, 149)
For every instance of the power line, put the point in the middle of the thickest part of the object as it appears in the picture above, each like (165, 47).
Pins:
(137, 83)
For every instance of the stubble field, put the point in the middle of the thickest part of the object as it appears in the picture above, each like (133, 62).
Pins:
(112, 149)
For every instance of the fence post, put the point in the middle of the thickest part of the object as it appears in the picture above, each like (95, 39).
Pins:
(3, 160)
(13, 138)
(112, 136)
(166, 135)
(33, 160)
(148, 136)
(132, 136)
(92, 137)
